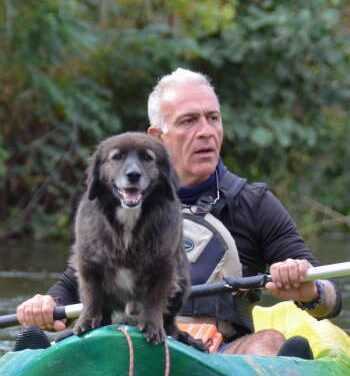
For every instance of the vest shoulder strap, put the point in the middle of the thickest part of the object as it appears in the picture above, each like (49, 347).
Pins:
(210, 247)
(231, 184)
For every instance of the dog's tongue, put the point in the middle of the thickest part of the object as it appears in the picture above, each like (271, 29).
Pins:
(131, 197)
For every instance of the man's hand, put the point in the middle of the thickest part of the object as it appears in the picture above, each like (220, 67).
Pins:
(288, 281)
(38, 311)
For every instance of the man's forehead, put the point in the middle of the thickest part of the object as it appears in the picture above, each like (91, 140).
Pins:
(170, 95)
(189, 99)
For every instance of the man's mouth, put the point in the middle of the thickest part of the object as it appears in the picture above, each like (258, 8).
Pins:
(205, 151)
(129, 197)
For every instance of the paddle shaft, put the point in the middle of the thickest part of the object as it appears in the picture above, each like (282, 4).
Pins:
(329, 271)
(259, 281)
(59, 313)
(230, 285)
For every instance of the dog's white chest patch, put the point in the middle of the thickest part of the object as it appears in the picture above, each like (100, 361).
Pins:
(125, 280)
(128, 217)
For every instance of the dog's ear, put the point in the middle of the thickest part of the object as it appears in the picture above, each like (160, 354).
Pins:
(170, 180)
(93, 177)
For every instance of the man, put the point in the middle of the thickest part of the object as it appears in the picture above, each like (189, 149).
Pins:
(184, 113)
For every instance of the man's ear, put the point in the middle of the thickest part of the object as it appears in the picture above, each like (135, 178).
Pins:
(93, 178)
(155, 132)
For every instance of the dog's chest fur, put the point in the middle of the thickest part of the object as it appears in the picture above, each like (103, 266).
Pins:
(124, 277)
(125, 280)
(128, 219)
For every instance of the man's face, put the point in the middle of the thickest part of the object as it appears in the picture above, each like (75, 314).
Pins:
(194, 131)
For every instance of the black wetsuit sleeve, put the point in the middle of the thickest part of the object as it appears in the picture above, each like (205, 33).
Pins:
(65, 290)
(279, 237)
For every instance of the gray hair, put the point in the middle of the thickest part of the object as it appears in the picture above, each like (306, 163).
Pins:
(177, 77)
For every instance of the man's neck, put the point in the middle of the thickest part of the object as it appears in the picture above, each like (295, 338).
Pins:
(189, 194)
(192, 181)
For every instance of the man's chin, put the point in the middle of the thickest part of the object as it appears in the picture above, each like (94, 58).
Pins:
(203, 171)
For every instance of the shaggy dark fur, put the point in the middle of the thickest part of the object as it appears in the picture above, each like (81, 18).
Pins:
(128, 249)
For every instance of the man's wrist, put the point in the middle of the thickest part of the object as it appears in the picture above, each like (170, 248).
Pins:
(318, 300)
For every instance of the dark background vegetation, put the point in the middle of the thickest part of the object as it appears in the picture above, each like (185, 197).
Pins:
(74, 72)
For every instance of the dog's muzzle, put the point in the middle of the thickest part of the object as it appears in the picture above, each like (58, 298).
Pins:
(129, 197)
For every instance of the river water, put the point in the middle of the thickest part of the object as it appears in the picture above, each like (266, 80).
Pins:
(28, 268)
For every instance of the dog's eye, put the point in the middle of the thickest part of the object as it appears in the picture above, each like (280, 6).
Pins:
(148, 156)
(117, 156)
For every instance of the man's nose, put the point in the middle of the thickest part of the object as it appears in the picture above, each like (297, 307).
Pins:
(205, 128)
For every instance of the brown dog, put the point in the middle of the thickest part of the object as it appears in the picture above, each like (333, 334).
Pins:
(128, 251)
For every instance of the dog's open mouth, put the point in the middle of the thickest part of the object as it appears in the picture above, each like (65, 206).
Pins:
(129, 197)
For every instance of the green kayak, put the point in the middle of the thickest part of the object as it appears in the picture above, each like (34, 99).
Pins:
(106, 351)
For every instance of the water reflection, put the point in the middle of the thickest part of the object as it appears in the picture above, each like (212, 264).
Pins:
(331, 249)
(28, 268)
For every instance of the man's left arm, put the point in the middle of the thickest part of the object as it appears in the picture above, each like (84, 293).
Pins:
(289, 259)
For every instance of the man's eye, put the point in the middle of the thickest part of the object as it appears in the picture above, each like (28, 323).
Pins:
(188, 121)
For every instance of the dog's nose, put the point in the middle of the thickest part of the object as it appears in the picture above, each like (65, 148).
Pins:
(133, 176)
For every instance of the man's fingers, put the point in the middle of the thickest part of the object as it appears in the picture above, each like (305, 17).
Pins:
(274, 290)
(297, 272)
(28, 313)
(284, 274)
(288, 280)
(292, 267)
(270, 286)
(289, 274)
(303, 266)
(48, 306)
(275, 274)
(59, 325)
(38, 311)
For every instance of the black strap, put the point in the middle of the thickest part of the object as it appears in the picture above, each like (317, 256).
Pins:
(230, 186)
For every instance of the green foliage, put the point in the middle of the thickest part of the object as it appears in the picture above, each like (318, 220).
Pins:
(282, 74)
(52, 107)
(204, 18)
(74, 72)
(280, 65)
(3, 157)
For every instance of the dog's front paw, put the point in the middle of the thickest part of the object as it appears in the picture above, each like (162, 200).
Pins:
(86, 323)
(153, 333)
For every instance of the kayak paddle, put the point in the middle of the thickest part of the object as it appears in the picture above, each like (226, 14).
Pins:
(229, 284)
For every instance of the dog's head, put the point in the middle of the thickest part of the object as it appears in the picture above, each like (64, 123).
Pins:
(130, 167)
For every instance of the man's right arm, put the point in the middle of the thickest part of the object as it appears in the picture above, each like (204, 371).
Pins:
(38, 310)
(65, 290)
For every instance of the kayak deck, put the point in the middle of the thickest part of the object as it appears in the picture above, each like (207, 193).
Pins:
(105, 351)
